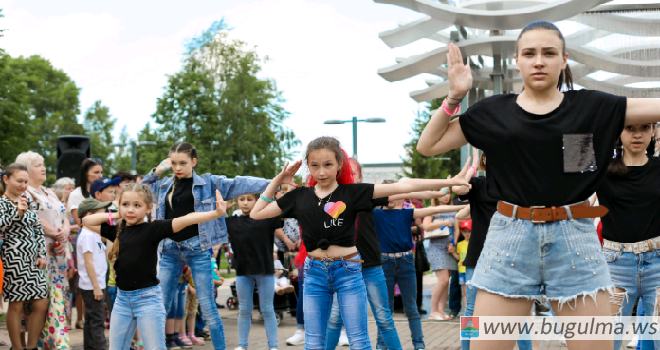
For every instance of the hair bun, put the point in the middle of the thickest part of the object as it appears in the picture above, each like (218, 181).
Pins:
(323, 244)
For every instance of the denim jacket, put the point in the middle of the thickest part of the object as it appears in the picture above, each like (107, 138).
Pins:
(213, 232)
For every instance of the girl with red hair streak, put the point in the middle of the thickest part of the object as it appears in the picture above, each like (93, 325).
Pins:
(327, 210)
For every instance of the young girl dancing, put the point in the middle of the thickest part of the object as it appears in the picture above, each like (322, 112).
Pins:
(139, 299)
(548, 151)
(327, 212)
(187, 192)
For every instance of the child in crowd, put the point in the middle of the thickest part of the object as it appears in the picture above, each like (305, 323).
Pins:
(460, 252)
(175, 317)
(282, 285)
(92, 268)
(105, 190)
(191, 307)
(139, 298)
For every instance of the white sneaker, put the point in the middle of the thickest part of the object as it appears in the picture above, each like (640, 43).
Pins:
(343, 339)
(298, 338)
(239, 348)
(633, 342)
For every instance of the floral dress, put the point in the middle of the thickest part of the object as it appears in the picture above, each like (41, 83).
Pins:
(55, 334)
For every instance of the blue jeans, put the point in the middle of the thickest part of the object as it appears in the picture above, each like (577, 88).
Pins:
(245, 291)
(178, 307)
(374, 280)
(138, 308)
(643, 344)
(322, 280)
(300, 314)
(112, 296)
(639, 275)
(455, 292)
(471, 296)
(188, 252)
(401, 271)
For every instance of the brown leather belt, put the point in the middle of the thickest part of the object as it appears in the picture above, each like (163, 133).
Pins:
(541, 214)
(338, 258)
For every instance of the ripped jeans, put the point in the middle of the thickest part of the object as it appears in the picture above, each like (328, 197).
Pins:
(639, 276)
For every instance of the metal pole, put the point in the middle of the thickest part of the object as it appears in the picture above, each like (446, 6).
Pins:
(355, 121)
(133, 167)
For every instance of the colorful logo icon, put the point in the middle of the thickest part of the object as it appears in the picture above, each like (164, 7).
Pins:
(469, 327)
(334, 209)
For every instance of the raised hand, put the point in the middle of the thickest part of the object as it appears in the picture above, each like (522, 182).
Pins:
(461, 178)
(460, 75)
(220, 204)
(286, 176)
(161, 169)
(22, 206)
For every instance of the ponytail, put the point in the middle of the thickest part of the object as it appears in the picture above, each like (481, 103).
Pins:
(618, 168)
(566, 77)
(112, 255)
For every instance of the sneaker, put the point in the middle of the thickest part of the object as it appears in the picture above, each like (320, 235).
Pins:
(343, 339)
(194, 340)
(422, 311)
(239, 348)
(203, 335)
(171, 345)
(298, 338)
(633, 342)
(181, 344)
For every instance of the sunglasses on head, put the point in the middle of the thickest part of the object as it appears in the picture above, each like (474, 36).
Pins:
(96, 160)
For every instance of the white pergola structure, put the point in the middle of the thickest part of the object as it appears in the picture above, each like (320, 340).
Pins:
(613, 47)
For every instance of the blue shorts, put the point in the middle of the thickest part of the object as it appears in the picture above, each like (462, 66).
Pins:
(558, 261)
(461, 278)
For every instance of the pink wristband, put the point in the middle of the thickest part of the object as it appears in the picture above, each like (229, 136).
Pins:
(110, 220)
(446, 109)
(475, 170)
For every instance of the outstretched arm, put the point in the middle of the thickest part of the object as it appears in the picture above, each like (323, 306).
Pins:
(440, 135)
(421, 213)
(179, 224)
(418, 185)
(642, 111)
(265, 210)
(418, 195)
(94, 221)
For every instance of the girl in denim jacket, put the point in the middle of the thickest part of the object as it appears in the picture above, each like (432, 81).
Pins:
(187, 192)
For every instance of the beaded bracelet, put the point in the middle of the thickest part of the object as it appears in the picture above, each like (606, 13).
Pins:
(266, 199)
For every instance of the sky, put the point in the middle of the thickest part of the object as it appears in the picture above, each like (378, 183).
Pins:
(324, 57)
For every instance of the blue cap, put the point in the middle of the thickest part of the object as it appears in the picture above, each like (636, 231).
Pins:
(102, 183)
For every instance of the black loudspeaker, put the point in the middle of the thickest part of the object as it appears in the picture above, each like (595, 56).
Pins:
(72, 150)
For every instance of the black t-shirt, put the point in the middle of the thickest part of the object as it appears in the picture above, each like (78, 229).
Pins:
(138, 253)
(367, 239)
(252, 242)
(183, 203)
(482, 208)
(329, 220)
(634, 204)
(554, 159)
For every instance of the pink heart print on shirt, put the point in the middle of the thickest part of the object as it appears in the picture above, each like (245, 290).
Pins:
(334, 209)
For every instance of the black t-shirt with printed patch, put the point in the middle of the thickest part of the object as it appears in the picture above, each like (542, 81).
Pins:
(367, 240)
(482, 208)
(634, 204)
(252, 242)
(138, 253)
(329, 220)
(554, 159)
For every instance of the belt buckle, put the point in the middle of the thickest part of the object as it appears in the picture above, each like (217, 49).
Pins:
(531, 214)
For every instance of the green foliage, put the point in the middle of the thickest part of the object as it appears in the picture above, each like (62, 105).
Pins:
(429, 167)
(98, 125)
(14, 115)
(218, 103)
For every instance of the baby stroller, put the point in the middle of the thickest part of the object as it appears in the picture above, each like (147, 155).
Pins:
(280, 302)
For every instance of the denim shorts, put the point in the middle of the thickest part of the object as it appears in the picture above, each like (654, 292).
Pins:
(556, 261)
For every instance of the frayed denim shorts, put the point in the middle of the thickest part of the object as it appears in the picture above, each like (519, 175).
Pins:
(556, 261)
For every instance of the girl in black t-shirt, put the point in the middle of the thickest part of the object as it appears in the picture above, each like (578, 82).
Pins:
(327, 213)
(631, 230)
(139, 298)
(546, 148)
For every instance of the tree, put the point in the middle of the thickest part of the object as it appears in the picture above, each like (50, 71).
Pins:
(429, 167)
(53, 106)
(15, 132)
(217, 102)
(98, 125)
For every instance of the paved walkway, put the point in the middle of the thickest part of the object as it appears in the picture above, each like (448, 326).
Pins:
(437, 334)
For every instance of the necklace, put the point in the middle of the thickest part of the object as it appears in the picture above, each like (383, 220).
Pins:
(321, 199)
(15, 202)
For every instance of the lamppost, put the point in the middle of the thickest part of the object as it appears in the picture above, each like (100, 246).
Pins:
(355, 120)
(134, 145)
